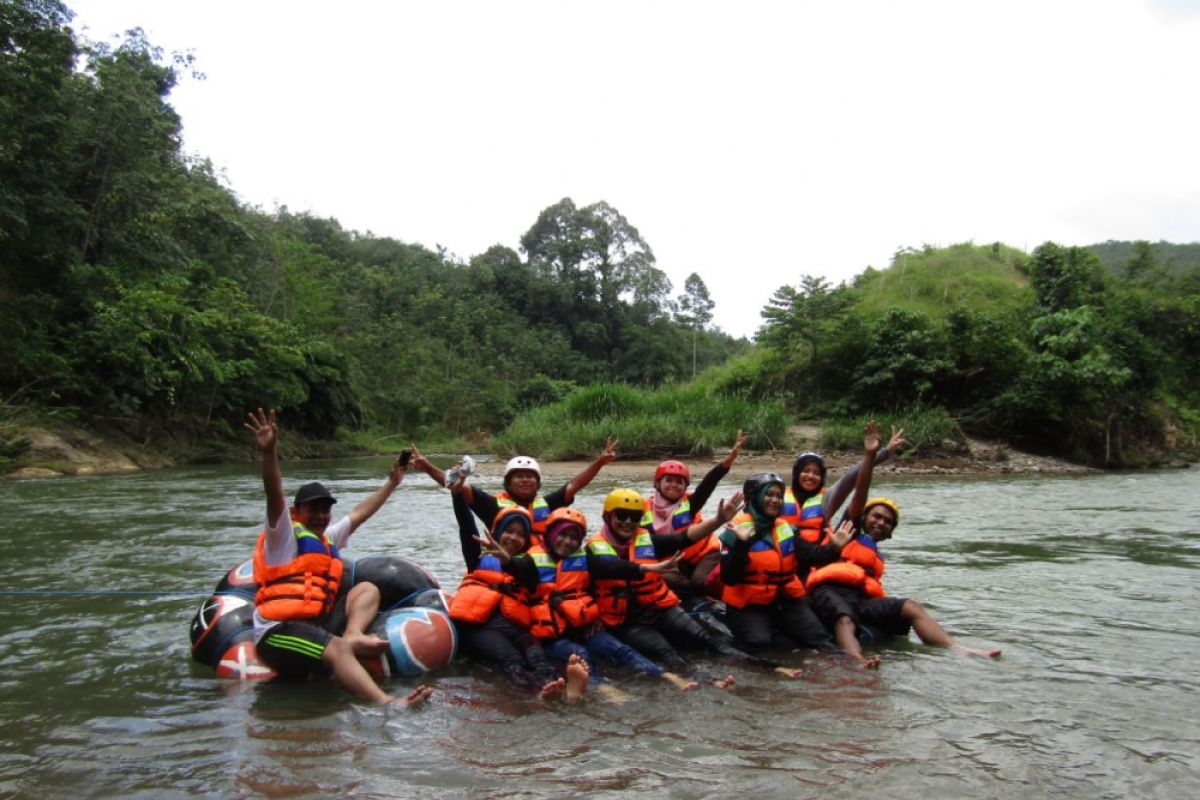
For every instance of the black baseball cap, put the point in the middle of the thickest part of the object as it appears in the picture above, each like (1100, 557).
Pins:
(311, 493)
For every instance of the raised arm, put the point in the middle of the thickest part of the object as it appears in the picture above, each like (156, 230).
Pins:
(425, 465)
(266, 436)
(726, 511)
(374, 501)
(591, 471)
(845, 485)
(709, 482)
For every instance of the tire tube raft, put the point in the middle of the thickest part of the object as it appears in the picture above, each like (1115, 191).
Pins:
(412, 618)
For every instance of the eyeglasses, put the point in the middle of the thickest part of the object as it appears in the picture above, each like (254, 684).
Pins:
(626, 515)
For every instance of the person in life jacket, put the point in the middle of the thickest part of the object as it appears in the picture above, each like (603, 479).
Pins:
(565, 615)
(671, 508)
(809, 508)
(522, 486)
(760, 553)
(307, 618)
(848, 595)
(626, 562)
(493, 605)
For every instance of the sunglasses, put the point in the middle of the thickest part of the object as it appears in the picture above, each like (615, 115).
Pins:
(625, 515)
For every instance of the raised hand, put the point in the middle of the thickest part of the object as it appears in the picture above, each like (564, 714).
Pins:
(729, 508)
(738, 443)
(841, 537)
(896, 440)
(262, 425)
(873, 437)
(610, 450)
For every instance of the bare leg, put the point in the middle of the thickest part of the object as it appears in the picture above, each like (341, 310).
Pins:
(362, 604)
(930, 632)
(577, 678)
(844, 633)
(678, 681)
(787, 672)
(351, 674)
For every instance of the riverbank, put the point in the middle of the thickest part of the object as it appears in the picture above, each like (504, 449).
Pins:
(69, 450)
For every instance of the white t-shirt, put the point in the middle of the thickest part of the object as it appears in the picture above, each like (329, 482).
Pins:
(281, 547)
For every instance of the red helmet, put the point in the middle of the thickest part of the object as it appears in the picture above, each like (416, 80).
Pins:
(672, 468)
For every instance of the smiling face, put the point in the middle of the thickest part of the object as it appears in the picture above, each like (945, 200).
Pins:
(314, 515)
(772, 502)
(879, 522)
(672, 487)
(623, 522)
(810, 477)
(522, 484)
(567, 542)
(513, 536)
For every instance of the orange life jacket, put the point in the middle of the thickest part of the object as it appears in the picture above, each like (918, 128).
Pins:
(616, 598)
(486, 587)
(808, 518)
(860, 566)
(303, 588)
(539, 508)
(772, 567)
(563, 600)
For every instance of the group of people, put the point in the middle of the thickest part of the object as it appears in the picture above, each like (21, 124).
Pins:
(547, 599)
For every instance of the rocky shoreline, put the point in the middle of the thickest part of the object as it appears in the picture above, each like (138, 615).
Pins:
(73, 451)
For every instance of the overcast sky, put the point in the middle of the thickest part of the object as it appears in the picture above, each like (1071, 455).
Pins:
(750, 142)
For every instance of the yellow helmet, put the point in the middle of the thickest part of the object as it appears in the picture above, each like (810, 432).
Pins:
(623, 498)
(884, 501)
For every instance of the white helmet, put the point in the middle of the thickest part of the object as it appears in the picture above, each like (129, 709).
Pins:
(522, 462)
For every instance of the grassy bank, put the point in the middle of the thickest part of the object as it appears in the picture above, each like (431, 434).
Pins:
(676, 420)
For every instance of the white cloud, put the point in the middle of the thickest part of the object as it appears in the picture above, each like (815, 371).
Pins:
(750, 143)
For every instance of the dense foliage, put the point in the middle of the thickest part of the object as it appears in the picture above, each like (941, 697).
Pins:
(135, 288)
(1051, 350)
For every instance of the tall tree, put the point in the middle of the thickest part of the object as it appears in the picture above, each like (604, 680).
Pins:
(695, 308)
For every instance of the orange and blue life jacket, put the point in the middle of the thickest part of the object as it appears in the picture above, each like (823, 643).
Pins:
(303, 588)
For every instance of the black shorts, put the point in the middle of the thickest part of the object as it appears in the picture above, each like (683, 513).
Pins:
(296, 648)
(884, 614)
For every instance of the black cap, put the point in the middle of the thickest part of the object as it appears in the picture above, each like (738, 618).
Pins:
(311, 493)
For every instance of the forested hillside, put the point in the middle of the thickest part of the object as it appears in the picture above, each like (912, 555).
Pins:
(1050, 351)
(137, 290)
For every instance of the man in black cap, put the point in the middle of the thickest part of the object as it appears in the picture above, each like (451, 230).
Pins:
(306, 616)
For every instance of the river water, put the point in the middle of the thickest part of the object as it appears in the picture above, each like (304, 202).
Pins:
(1087, 583)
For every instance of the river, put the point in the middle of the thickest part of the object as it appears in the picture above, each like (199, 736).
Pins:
(1088, 583)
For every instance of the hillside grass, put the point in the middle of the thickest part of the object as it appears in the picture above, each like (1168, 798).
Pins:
(937, 281)
(686, 420)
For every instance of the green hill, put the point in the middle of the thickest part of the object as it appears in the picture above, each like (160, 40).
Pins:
(937, 281)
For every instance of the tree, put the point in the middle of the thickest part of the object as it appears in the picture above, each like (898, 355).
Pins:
(694, 309)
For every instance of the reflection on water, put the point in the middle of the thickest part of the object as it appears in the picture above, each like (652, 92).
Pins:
(1088, 583)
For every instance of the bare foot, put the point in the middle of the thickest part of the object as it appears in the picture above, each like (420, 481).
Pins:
(679, 682)
(577, 678)
(414, 698)
(991, 652)
(725, 683)
(788, 672)
(364, 646)
(611, 694)
(553, 690)
(869, 662)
